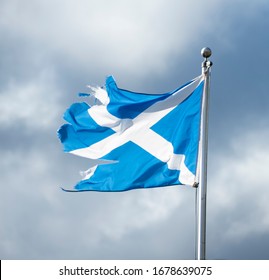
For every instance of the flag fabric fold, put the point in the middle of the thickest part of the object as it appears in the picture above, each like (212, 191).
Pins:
(135, 140)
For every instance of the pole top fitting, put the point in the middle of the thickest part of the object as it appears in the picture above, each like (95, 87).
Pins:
(206, 53)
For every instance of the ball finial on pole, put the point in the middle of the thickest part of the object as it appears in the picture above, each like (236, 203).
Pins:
(206, 52)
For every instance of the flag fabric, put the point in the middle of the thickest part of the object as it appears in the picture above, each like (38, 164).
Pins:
(135, 140)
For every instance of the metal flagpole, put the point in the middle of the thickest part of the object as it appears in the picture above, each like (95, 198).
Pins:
(202, 187)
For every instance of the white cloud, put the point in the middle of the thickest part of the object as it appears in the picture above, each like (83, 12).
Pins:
(135, 34)
(140, 210)
(33, 102)
(130, 35)
(238, 192)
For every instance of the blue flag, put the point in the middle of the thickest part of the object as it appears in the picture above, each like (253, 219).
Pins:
(135, 140)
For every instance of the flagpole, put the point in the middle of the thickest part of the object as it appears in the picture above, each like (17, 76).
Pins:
(202, 187)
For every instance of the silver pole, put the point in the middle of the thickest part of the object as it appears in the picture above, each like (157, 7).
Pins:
(202, 187)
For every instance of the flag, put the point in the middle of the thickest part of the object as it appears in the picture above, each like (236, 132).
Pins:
(135, 140)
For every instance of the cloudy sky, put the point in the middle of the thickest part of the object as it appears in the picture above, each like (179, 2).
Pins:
(50, 50)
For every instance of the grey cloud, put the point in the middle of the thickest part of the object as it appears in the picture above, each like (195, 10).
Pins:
(151, 46)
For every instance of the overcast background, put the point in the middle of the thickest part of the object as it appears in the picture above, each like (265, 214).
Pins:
(50, 50)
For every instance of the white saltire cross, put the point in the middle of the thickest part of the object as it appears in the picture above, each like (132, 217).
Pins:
(138, 131)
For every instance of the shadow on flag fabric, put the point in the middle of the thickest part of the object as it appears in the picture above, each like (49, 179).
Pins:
(135, 140)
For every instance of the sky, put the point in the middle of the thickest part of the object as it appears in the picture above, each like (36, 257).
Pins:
(51, 50)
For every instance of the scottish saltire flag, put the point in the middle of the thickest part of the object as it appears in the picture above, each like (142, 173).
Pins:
(135, 140)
